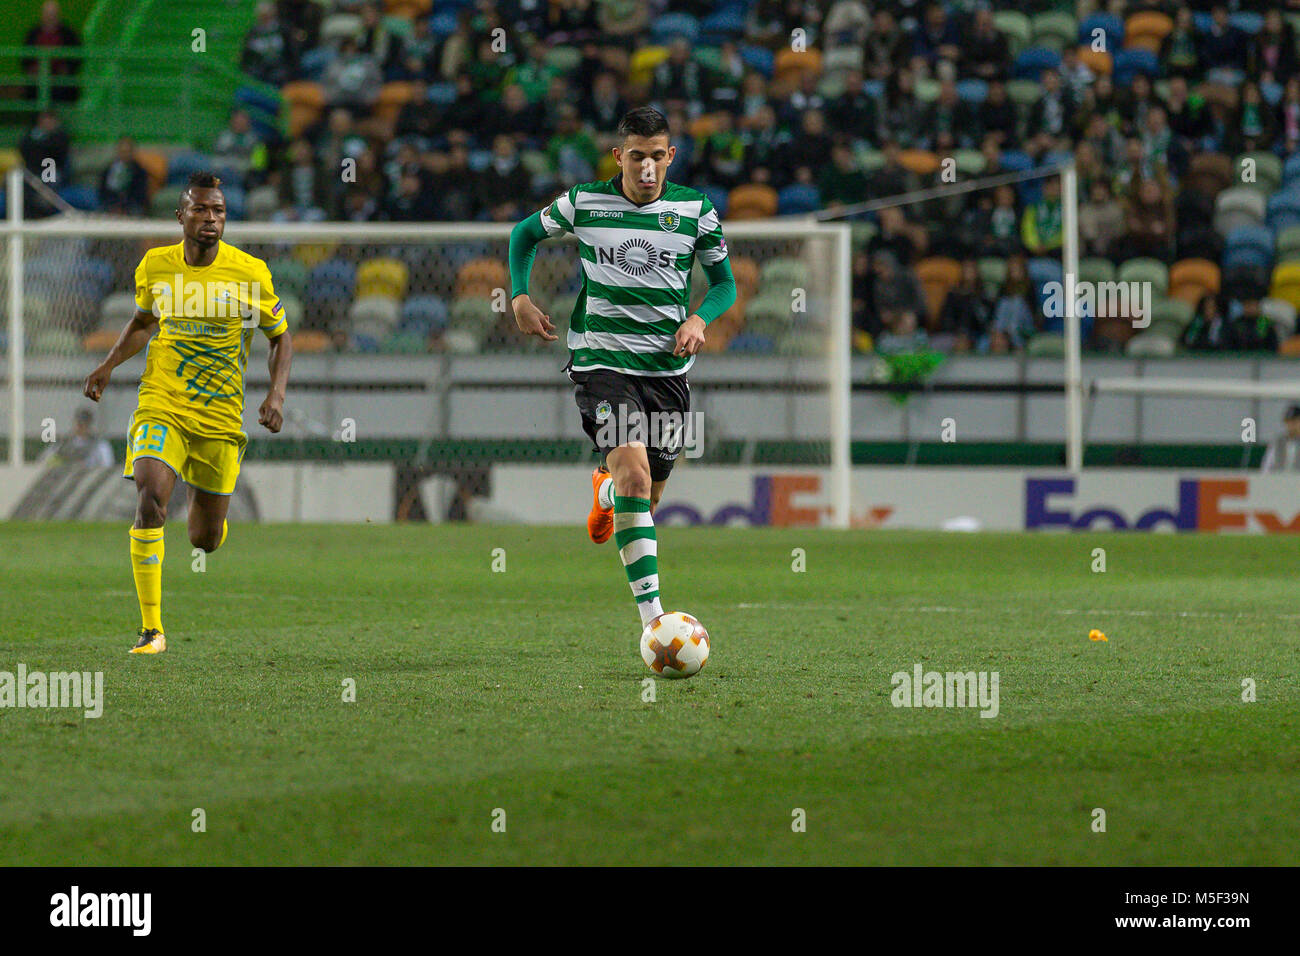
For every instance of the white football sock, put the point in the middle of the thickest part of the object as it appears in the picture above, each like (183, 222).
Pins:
(605, 495)
(649, 610)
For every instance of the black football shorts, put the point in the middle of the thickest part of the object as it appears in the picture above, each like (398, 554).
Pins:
(618, 409)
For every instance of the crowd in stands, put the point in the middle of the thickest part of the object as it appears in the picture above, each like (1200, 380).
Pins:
(1183, 121)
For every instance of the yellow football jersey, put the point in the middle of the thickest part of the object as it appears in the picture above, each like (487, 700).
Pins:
(194, 364)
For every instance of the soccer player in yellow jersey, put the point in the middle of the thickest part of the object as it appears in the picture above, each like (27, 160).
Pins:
(204, 298)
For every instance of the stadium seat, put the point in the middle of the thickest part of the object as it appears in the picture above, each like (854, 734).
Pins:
(85, 198)
(1030, 63)
(314, 63)
(937, 275)
(972, 91)
(472, 314)
(401, 27)
(725, 24)
(1109, 24)
(392, 97)
(52, 341)
(1024, 93)
(1291, 171)
(1247, 21)
(1144, 269)
(1282, 313)
(781, 275)
(1147, 30)
(1286, 283)
(383, 277)
(312, 254)
(293, 308)
(480, 278)
(115, 310)
(1268, 170)
(374, 316)
(1288, 243)
(333, 273)
(798, 199)
(1283, 211)
(424, 314)
(563, 59)
(841, 59)
(1014, 161)
(1246, 281)
(1015, 27)
(444, 24)
(926, 90)
(1151, 344)
(101, 340)
(336, 26)
(306, 102)
(1237, 207)
(1099, 61)
(182, 165)
(993, 272)
(769, 314)
(1210, 173)
(1095, 270)
(404, 343)
(155, 165)
(1192, 279)
(309, 341)
(758, 58)
(1246, 256)
(751, 343)
(1054, 30)
(751, 201)
(969, 162)
(644, 61)
(1046, 345)
(441, 94)
(790, 66)
(672, 26)
(718, 196)
(1176, 313)
(868, 160)
(1129, 63)
(919, 161)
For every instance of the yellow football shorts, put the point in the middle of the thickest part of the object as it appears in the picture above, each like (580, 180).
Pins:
(202, 461)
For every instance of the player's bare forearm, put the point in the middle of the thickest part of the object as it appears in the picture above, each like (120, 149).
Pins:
(531, 320)
(134, 337)
(271, 414)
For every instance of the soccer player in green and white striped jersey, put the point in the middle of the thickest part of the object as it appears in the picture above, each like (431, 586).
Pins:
(630, 338)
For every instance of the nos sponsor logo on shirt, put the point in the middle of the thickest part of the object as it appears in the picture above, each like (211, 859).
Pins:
(636, 257)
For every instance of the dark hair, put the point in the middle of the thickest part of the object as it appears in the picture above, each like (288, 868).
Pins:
(201, 179)
(643, 121)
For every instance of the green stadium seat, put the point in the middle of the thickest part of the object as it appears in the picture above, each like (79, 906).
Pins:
(970, 162)
(1151, 344)
(869, 160)
(1046, 345)
(1177, 312)
(1024, 93)
(781, 275)
(1095, 269)
(562, 58)
(1016, 27)
(927, 90)
(472, 314)
(802, 345)
(769, 314)
(1288, 243)
(1054, 30)
(1146, 270)
(289, 276)
(993, 272)
(1268, 171)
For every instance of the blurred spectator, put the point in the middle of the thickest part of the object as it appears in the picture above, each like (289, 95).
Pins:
(1050, 115)
(966, 310)
(841, 182)
(604, 106)
(1283, 452)
(680, 81)
(45, 152)
(1288, 112)
(1013, 311)
(1180, 50)
(985, 54)
(809, 149)
(937, 37)
(1223, 47)
(379, 43)
(997, 116)
(353, 78)
(723, 155)
(897, 302)
(1251, 329)
(1101, 220)
(571, 150)
(51, 31)
(303, 193)
(1271, 57)
(498, 185)
(83, 447)
(1041, 226)
(1252, 123)
(904, 241)
(124, 184)
(239, 148)
(1148, 222)
(886, 49)
(267, 55)
(1208, 330)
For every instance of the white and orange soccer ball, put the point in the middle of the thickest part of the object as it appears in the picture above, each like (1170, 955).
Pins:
(675, 645)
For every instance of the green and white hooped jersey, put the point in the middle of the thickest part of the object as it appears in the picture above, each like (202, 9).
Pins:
(636, 273)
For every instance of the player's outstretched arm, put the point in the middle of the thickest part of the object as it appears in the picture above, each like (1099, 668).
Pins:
(720, 297)
(133, 338)
(271, 413)
(523, 247)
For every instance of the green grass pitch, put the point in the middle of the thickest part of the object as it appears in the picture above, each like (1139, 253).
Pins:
(523, 691)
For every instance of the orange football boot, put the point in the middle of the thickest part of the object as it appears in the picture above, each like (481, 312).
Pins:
(600, 522)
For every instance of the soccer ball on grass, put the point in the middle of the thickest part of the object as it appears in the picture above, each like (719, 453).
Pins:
(675, 645)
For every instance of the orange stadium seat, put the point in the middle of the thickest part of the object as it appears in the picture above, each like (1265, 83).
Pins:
(100, 340)
(411, 9)
(1211, 173)
(480, 278)
(751, 201)
(919, 161)
(155, 164)
(305, 101)
(793, 64)
(745, 271)
(1099, 62)
(392, 97)
(937, 275)
(1147, 30)
(703, 126)
(310, 340)
(1290, 348)
(1190, 279)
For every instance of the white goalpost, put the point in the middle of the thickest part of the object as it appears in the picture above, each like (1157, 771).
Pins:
(798, 392)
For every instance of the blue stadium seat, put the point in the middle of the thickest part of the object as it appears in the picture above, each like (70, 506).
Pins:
(718, 196)
(1128, 63)
(1031, 63)
(972, 91)
(180, 166)
(758, 58)
(236, 201)
(1284, 210)
(752, 342)
(725, 24)
(424, 314)
(333, 273)
(1246, 256)
(1013, 160)
(443, 24)
(85, 198)
(1247, 22)
(1291, 171)
(1043, 269)
(797, 199)
(1203, 22)
(670, 26)
(442, 94)
(1254, 237)
(1111, 24)
(252, 98)
(314, 62)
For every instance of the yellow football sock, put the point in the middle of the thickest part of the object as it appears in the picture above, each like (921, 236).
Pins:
(225, 527)
(146, 565)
